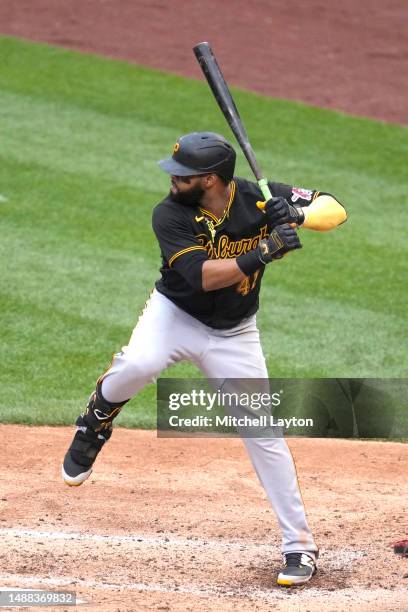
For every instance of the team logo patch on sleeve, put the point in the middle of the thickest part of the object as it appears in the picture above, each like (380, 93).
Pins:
(301, 194)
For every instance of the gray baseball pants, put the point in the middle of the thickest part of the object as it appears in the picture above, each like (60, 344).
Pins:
(165, 335)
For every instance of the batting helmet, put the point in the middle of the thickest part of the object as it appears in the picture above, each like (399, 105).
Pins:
(201, 153)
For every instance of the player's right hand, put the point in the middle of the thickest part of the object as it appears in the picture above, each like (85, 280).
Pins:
(281, 240)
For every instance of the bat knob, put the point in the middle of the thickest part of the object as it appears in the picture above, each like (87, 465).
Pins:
(261, 205)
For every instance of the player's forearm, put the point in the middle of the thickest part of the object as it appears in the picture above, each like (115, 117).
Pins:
(219, 273)
(323, 214)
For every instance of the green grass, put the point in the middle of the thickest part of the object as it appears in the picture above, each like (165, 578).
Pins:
(80, 137)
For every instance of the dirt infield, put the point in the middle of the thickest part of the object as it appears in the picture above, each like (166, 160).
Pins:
(184, 524)
(346, 55)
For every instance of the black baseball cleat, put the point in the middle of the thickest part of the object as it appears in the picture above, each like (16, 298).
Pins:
(85, 446)
(298, 569)
(94, 428)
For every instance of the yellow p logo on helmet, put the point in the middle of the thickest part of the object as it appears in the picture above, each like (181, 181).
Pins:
(176, 147)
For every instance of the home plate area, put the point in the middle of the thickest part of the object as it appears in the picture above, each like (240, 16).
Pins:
(184, 524)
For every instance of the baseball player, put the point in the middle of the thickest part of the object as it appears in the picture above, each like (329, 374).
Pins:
(216, 244)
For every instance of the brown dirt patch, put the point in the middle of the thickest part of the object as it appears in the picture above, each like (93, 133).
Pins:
(183, 524)
(346, 55)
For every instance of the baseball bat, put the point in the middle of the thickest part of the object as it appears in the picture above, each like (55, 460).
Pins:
(222, 94)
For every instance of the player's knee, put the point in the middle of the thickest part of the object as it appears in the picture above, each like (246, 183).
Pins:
(146, 368)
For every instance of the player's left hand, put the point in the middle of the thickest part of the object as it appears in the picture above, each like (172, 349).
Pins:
(279, 211)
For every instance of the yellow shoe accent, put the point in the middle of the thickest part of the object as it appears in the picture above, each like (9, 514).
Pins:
(284, 582)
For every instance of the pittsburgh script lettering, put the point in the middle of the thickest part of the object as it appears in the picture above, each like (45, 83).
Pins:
(226, 248)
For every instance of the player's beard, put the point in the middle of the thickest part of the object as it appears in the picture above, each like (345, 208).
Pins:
(192, 197)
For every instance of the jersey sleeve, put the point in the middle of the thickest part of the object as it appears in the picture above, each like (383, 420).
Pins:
(179, 247)
(298, 196)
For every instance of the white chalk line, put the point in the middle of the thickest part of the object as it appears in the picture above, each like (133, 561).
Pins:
(252, 593)
(341, 556)
(133, 586)
(133, 539)
(334, 559)
(3, 198)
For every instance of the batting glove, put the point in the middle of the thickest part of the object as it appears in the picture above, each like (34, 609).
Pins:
(282, 240)
(279, 211)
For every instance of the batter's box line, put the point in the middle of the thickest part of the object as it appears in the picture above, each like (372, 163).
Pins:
(334, 558)
(197, 591)
(252, 593)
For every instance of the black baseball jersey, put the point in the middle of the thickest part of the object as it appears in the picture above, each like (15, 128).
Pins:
(188, 236)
